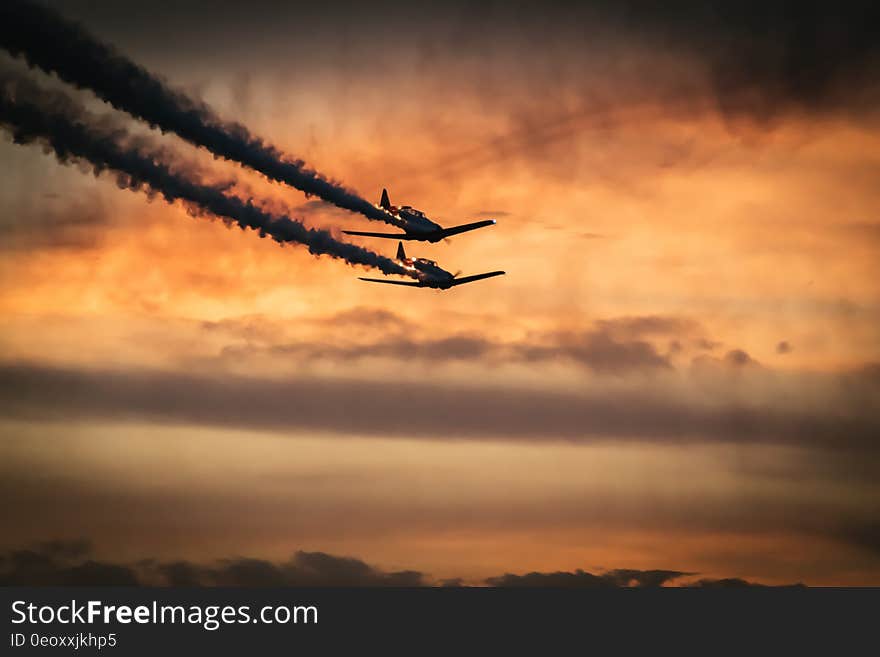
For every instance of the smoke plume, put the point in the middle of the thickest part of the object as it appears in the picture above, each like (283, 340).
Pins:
(31, 114)
(50, 42)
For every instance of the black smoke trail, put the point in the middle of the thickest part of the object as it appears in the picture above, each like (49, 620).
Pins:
(55, 120)
(52, 43)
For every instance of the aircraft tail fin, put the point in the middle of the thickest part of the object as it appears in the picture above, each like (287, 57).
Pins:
(401, 254)
(385, 203)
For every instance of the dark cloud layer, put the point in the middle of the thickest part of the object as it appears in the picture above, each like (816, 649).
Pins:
(594, 350)
(428, 409)
(866, 536)
(62, 563)
(759, 59)
(617, 346)
(70, 563)
(580, 579)
(600, 351)
(583, 580)
(304, 569)
(773, 57)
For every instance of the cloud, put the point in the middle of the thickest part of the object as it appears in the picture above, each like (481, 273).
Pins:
(615, 346)
(733, 360)
(67, 563)
(767, 59)
(584, 580)
(732, 583)
(642, 325)
(263, 334)
(431, 409)
(869, 372)
(780, 57)
(458, 347)
(60, 563)
(738, 358)
(865, 536)
(304, 569)
(726, 583)
(599, 350)
(364, 316)
(646, 578)
(77, 223)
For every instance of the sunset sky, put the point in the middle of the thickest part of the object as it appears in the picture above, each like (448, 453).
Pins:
(680, 370)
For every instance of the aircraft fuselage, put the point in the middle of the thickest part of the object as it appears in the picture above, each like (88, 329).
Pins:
(416, 224)
(429, 273)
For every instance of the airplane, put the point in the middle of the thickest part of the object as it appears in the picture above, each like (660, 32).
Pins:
(416, 225)
(429, 273)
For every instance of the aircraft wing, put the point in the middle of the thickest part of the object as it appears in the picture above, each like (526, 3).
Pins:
(477, 277)
(455, 230)
(385, 280)
(395, 236)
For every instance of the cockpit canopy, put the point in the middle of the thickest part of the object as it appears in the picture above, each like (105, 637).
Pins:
(412, 210)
